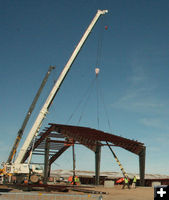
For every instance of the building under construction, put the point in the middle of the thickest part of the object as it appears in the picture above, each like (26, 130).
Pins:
(57, 138)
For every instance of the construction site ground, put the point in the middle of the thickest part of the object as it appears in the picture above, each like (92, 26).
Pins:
(140, 193)
(114, 193)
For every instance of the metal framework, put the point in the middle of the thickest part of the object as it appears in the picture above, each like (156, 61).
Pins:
(59, 136)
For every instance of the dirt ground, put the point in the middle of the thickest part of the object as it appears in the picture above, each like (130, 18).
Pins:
(115, 193)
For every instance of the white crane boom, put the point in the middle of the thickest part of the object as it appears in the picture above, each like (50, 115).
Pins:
(35, 128)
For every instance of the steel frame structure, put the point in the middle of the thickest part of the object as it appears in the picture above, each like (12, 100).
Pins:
(91, 138)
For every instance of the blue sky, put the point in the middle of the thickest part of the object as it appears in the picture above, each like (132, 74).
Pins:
(134, 68)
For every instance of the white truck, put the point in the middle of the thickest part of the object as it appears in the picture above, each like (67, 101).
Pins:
(24, 172)
(18, 168)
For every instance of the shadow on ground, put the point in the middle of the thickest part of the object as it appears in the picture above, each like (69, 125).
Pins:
(5, 190)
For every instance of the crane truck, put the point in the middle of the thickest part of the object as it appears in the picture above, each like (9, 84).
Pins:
(18, 167)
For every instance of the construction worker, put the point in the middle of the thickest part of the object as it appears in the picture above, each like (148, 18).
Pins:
(74, 180)
(126, 182)
(134, 182)
(77, 181)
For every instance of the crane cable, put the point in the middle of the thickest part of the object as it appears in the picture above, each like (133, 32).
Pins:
(100, 100)
(85, 103)
(99, 92)
(109, 126)
(87, 94)
(100, 43)
(85, 97)
(97, 96)
(105, 110)
(98, 63)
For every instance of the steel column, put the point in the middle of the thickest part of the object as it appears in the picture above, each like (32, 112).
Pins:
(46, 161)
(97, 164)
(142, 165)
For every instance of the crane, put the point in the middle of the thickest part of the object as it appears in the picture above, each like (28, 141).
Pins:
(31, 108)
(18, 166)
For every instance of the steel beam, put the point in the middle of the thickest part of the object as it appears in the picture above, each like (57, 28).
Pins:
(54, 157)
(45, 135)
